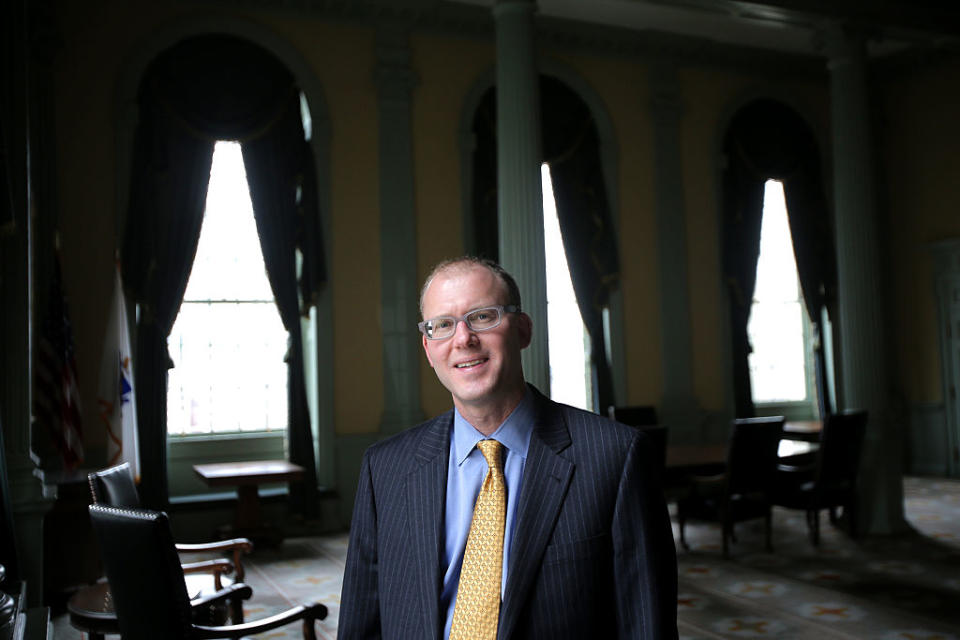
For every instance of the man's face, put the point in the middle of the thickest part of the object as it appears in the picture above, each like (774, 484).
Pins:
(480, 369)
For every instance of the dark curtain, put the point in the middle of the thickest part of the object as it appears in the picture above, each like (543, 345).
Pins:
(571, 146)
(171, 170)
(275, 178)
(201, 90)
(768, 140)
(485, 227)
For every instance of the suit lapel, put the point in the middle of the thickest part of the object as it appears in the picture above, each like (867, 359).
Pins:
(546, 476)
(426, 487)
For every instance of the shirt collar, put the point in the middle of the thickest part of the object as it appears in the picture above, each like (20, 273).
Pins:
(514, 433)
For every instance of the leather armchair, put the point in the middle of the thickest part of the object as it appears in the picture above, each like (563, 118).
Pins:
(115, 487)
(147, 582)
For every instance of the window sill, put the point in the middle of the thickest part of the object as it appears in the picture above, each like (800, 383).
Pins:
(804, 410)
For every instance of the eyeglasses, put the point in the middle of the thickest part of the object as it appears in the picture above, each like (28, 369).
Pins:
(442, 327)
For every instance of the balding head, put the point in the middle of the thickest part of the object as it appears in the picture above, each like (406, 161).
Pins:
(465, 263)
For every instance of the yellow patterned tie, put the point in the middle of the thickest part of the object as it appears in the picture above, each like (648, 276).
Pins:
(477, 608)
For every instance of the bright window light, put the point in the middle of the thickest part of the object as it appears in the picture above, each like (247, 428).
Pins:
(228, 341)
(776, 325)
(570, 372)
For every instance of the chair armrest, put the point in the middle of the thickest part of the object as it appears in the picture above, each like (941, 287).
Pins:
(308, 613)
(229, 592)
(242, 544)
(239, 547)
(806, 469)
(217, 566)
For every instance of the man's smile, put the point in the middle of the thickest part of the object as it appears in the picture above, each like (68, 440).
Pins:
(470, 363)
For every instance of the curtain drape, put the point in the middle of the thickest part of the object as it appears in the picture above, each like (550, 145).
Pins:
(171, 170)
(201, 90)
(485, 228)
(768, 140)
(571, 147)
(274, 172)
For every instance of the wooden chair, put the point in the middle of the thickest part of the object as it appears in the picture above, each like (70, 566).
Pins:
(635, 416)
(147, 582)
(644, 418)
(830, 481)
(115, 487)
(742, 491)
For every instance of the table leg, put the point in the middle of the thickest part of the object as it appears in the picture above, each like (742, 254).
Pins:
(248, 507)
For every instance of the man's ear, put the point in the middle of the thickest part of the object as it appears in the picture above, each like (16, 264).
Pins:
(525, 329)
(423, 341)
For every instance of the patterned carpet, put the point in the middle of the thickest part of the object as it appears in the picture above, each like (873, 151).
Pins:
(904, 587)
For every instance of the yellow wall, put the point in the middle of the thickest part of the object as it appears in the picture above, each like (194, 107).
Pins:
(920, 203)
(920, 143)
(342, 58)
(448, 69)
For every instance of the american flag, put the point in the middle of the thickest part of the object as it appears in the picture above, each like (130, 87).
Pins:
(57, 397)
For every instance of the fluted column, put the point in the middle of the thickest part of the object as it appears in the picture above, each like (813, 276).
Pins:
(30, 161)
(519, 189)
(678, 405)
(862, 313)
(395, 81)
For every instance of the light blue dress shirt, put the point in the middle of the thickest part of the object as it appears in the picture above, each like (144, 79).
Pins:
(465, 473)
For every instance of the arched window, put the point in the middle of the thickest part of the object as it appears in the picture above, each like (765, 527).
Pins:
(781, 359)
(228, 341)
(767, 144)
(570, 370)
(571, 148)
(203, 89)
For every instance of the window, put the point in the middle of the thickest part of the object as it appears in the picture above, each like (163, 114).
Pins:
(228, 341)
(570, 370)
(779, 329)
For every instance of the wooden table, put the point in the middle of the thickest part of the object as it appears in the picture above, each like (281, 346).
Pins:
(685, 461)
(247, 476)
(693, 456)
(806, 430)
(712, 458)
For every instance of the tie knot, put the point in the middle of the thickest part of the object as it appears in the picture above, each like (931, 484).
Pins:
(491, 450)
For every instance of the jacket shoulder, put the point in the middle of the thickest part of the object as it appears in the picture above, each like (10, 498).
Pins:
(424, 437)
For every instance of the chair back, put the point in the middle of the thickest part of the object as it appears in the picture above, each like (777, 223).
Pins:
(840, 443)
(752, 454)
(143, 569)
(657, 436)
(636, 416)
(114, 487)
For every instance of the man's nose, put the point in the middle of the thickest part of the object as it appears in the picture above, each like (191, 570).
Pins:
(463, 335)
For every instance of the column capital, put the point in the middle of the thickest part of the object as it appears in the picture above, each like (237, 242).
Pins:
(841, 42)
(665, 94)
(392, 74)
(513, 6)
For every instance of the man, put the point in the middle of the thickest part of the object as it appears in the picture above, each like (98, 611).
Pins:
(583, 546)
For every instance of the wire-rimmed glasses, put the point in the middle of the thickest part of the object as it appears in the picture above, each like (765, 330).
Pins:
(484, 319)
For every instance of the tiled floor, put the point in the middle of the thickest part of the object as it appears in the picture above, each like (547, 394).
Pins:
(904, 587)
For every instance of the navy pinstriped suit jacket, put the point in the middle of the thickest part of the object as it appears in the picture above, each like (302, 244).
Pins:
(592, 557)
